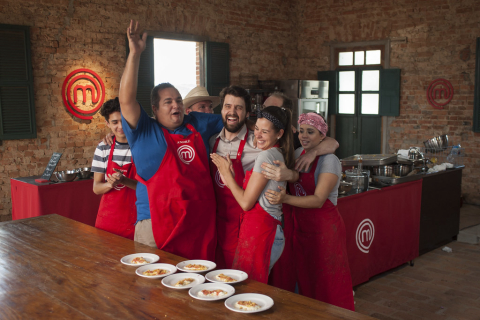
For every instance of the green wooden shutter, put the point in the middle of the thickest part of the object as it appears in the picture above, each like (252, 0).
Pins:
(331, 77)
(217, 67)
(389, 92)
(17, 109)
(476, 100)
(146, 76)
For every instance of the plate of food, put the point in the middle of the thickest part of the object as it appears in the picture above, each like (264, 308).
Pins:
(156, 270)
(139, 259)
(249, 303)
(183, 280)
(229, 276)
(211, 291)
(196, 266)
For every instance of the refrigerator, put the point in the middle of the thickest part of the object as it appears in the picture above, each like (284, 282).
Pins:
(307, 96)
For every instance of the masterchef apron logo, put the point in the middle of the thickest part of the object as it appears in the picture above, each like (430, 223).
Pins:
(83, 93)
(186, 154)
(439, 93)
(119, 186)
(299, 191)
(365, 234)
(218, 180)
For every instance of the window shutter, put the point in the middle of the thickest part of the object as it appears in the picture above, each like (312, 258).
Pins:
(331, 77)
(146, 76)
(476, 100)
(17, 109)
(389, 92)
(217, 67)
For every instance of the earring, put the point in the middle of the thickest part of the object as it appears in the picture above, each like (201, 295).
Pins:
(278, 138)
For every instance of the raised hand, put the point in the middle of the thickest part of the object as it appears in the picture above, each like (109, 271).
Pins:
(137, 38)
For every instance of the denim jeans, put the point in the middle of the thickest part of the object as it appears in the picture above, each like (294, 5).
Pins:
(277, 247)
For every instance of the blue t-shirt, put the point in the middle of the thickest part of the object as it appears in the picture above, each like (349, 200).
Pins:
(143, 206)
(148, 146)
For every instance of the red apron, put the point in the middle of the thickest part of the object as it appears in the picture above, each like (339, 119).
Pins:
(182, 200)
(255, 240)
(319, 245)
(283, 273)
(228, 210)
(117, 212)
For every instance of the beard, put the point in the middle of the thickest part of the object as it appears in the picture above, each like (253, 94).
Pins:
(233, 128)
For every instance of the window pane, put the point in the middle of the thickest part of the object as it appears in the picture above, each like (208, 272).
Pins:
(359, 58)
(346, 103)
(346, 81)
(345, 58)
(370, 80)
(374, 57)
(370, 103)
(176, 62)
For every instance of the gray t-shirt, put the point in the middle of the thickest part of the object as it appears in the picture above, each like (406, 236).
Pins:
(328, 163)
(269, 156)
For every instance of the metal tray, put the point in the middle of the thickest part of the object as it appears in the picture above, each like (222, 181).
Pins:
(370, 159)
(391, 181)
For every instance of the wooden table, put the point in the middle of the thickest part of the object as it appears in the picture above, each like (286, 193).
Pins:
(52, 267)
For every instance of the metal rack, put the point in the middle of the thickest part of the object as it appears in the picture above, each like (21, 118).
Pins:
(454, 155)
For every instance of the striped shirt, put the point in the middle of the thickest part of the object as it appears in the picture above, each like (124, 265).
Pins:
(121, 156)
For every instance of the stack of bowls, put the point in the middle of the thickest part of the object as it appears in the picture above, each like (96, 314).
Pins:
(437, 143)
(401, 170)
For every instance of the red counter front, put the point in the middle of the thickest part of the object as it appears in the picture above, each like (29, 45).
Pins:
(74, 200)
(382, 227)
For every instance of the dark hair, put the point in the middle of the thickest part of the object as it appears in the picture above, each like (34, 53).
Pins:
(238, 92)
(155, 97)
(287, 102)
(109, 107)
(284, 116)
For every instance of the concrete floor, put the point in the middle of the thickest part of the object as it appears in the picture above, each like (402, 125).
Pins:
(440, 285)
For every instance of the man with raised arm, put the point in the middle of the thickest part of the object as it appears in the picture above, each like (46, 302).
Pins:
(171, 154)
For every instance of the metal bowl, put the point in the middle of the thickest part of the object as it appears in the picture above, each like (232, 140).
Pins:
(66, 175)
(401, 170)
(384, 171)
(84, 173)
(344, 187)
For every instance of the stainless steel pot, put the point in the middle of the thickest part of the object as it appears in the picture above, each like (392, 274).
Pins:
(359, 180)
(401, 170)
(384, 171)
(84, 173)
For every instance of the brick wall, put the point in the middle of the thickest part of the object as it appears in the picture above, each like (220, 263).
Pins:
(441, 44)
(67, 35)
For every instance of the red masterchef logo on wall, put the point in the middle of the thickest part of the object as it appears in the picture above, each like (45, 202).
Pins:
(439, 93)
(83, 93)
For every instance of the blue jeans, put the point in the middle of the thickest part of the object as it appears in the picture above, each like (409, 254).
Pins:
(277, 247)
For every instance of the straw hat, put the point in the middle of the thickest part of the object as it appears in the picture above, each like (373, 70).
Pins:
(198, 94)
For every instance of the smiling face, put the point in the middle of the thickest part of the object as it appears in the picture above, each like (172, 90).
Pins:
(234, 113)
(202, 106)
(266, 134)
(115, 124)
(309, 136)
(169, 111)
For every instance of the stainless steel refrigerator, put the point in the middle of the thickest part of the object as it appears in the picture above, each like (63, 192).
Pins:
(307, 96)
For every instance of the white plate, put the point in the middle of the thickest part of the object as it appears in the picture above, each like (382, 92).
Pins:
(150, 257)
(209, 264)
(265, 302)
(236, 274)
(174, 278)
(193, 292)
(170, 267)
